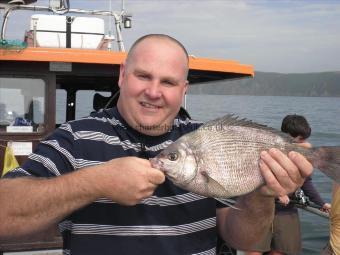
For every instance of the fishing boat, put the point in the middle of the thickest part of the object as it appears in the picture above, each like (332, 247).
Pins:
(67, 55)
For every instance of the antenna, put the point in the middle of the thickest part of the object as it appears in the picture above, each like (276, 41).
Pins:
(123, 5)
(110, 18)
(110, 37)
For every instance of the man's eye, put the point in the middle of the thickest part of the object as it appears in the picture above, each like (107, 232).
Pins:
(168, 83)
(173, 156)
(142, 76)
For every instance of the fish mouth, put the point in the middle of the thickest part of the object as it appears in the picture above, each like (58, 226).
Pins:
(158, 164)
(178, 180)
(155, 163)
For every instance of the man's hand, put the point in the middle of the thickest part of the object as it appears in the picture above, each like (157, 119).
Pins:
(127, 180)
(283, 174)
(326, 208)
(284, 200)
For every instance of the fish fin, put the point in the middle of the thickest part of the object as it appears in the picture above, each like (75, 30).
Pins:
(215, 185)
(233, 120)
(327, 160)
(228, 202)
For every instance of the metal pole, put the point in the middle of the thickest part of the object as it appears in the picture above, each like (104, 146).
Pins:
(35, 21)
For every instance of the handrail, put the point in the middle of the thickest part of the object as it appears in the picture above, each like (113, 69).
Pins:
(119, 17)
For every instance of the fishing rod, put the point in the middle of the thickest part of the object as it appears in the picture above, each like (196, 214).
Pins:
(301, 201)
(312, 208)
(307, 206)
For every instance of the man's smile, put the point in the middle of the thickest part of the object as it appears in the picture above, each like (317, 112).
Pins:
(149, 106)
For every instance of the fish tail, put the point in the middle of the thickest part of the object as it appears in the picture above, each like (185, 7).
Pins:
(327, 160)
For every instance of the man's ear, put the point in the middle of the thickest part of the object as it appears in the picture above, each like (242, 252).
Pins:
(121, 74)
(186, 87)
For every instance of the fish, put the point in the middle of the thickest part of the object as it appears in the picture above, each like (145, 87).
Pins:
(221, 158)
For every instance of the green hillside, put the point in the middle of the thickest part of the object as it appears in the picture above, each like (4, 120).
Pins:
(276, 84)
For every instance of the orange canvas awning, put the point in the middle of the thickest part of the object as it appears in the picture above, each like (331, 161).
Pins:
(201, 69)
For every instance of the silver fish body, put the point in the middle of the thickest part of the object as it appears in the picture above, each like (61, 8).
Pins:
(220, 159)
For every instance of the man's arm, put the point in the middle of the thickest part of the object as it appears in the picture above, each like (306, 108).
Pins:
(242, 228)
(312, 193)
(30, 205)
(283, 175)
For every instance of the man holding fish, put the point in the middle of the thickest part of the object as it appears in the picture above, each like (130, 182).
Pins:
(93, 176)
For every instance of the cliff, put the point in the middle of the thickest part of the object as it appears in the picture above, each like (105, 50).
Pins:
(276, 84)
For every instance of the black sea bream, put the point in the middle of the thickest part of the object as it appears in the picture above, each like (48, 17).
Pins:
(220, 159)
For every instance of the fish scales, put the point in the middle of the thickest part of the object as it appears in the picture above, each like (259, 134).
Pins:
(236, 150)
(220, 159)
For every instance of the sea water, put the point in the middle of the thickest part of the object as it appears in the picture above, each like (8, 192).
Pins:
(321, 112)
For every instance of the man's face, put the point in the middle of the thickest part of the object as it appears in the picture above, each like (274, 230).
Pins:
(152, 85)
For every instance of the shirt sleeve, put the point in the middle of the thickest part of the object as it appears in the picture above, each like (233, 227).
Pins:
(310, 191)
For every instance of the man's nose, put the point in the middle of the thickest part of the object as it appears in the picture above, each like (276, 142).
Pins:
(154, 90)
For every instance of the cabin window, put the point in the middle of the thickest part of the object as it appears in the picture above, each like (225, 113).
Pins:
(85, 102)
(61, 96)
(22, 105)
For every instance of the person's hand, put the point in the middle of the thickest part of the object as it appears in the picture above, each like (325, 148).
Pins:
(284, 200)
(326, 208)
(283, 174)
(128, 180)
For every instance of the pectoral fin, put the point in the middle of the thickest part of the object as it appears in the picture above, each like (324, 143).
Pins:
(228, 202)
(214, 186)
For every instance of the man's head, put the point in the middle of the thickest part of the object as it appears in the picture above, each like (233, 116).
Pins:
(296, 126)
(153, 82)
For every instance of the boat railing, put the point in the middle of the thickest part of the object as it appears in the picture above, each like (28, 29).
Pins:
(121, 18)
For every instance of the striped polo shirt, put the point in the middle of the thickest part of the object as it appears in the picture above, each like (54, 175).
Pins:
(171, 221)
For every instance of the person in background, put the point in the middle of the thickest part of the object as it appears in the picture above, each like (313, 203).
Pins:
(333, 246)
(285, 235)
(94, 177)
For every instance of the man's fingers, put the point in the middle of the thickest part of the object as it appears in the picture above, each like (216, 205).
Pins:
(156, 176)
(304, 166)
(288, 168)
(272, 186)
(283, 174)
(279, 163)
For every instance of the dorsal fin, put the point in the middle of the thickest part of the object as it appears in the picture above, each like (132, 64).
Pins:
(233, 120)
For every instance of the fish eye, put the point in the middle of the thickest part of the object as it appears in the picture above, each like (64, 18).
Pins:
(173, 156)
